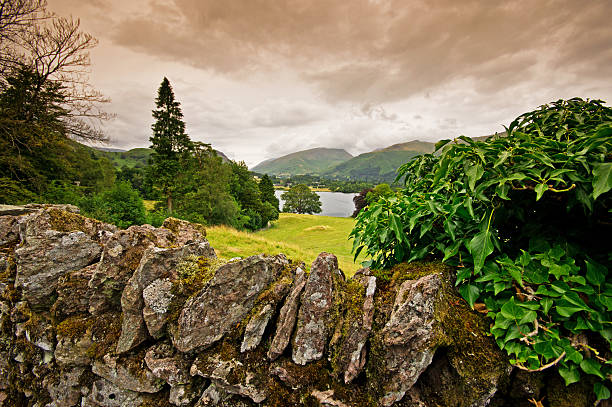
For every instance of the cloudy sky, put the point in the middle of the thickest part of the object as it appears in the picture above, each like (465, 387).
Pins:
(263, 78)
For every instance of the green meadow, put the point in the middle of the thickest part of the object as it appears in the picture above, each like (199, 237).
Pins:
(300, 237)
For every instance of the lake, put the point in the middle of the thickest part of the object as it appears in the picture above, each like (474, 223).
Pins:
(337, 204)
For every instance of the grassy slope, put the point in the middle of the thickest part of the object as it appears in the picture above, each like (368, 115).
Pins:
(377, 166)
(313, 161)
(300, 237)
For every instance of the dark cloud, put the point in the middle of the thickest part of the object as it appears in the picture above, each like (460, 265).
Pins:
(377, 51)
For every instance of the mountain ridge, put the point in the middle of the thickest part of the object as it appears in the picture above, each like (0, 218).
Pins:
(310, 161)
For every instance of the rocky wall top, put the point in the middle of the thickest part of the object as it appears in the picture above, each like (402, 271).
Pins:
(95, 316)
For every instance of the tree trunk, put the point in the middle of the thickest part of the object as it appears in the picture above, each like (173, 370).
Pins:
(169, 202)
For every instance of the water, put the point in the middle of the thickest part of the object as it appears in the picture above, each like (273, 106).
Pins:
(337, 204)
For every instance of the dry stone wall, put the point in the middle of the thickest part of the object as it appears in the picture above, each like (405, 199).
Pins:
(95, 316)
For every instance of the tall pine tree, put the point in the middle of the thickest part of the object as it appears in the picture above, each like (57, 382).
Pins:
(170, 143)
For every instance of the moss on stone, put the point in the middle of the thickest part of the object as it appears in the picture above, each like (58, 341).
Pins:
(106, 330)
(74, 327)
(63, 221)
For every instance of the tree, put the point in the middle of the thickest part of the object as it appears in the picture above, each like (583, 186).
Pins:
(170, 143)
(300, 199)
(208, 199)
(267, 192)
(360, 201)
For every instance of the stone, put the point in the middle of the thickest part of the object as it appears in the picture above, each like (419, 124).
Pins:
(409, 337)
(214, 396)
(73, 293)
(287, 317)
(157, 297)
(185, 232)
(120, 259)
(325, 398)
(225, 300)
(165, 364)
(106, 394)
(117, 371)
(262, 312)
(317, 302)
(74, 351)
(15, 210)
(43, 260)
(54, 243)
(9, 230)
(357, 327)
(156, 263)
(223, 373)
(65, 390)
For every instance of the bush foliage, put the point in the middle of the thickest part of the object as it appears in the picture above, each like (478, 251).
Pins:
(526, 219)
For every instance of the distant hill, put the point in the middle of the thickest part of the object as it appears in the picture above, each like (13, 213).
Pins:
(379, 165)
(314, 161)
(134, 158)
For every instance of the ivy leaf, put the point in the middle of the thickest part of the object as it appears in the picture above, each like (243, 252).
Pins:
(470, 293)
(596, 273)
(591, 366)
(480, 247)
(602, 178)
(474, 173)
(546, 304)
(441, 144)
(540, 189)
(569, 374)
(601, 391)
(528, 318)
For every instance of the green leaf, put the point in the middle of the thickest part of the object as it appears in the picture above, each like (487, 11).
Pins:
(511, 310)
(569, 374)
(441, 144)
(540, 189)
(596, 273)
(470, 293)
(528, 318)
(601, 391)
(591, 366)
(474, 173)
(480, 247)
(546, 304)
(602, 178)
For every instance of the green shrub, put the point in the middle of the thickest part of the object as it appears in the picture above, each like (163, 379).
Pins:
(526, 219)
(121, 205)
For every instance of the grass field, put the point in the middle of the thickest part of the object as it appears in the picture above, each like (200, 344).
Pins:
(300, 237)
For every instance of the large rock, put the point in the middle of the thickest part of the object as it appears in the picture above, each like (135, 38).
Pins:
(127, 374)
(156, 263)
(55, 243)
(222, 374)
(120, 259)
(167, 365)
(357, 325)
(264, 308)
(225, 301)
(157, 298)
(9, 230)
(184, 232)
(106, 394)
(315, 318)
(287, 317)
(73, 292)
(409, 337)
(65, 390)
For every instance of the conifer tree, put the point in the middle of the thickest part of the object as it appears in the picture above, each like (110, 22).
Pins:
(170, 143)
(267, 192)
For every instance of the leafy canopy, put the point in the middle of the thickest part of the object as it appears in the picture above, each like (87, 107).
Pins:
(526, 219)
(300, 199)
